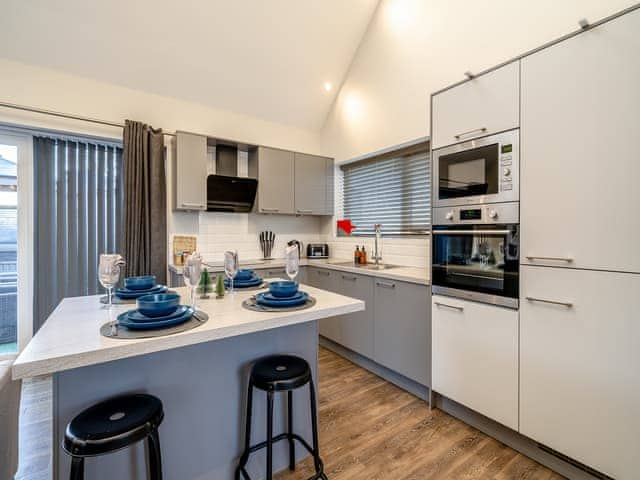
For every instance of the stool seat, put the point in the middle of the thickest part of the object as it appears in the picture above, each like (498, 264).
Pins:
(279, 373)
(113, 424)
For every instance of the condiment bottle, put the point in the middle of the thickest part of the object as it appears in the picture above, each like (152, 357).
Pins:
(363, 256)
(357, 256)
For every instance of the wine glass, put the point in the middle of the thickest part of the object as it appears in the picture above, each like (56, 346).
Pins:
(109, 274)
(191, 271)
(231, 266)
(292, 261)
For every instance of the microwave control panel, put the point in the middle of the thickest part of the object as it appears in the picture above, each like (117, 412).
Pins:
(506, 162)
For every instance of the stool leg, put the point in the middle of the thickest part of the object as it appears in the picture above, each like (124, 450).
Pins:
(77, 468)
(247, 434)
(155, 458)
(314, 426)
(292, 445)
(269, 435)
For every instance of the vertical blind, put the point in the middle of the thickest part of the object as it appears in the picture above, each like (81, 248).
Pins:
(78, 215)
(393, 190)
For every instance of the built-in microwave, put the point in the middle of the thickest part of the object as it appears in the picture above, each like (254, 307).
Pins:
(479, 171)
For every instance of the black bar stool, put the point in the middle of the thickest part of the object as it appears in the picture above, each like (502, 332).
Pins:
(281, 373)
(114, 424)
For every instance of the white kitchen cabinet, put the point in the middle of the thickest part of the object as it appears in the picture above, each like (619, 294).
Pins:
(189, 172)
(484, 105)
(475, 357)
(580, 168)
(580, 366)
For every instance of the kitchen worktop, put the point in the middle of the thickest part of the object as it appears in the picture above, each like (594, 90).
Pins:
(70, 338)
(400, 273)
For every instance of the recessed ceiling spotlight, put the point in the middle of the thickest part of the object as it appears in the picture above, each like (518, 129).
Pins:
(328, 86)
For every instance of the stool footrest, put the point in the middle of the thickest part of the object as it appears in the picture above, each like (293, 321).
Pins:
(285, 436)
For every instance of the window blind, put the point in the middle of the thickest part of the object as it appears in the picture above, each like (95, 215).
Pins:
(78, 215)
(393, 190)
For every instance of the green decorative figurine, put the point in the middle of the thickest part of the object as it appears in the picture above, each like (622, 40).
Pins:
(205, 286)
(220, 287)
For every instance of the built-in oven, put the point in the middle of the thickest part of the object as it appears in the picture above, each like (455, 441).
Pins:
(478, 171)
(476, 253)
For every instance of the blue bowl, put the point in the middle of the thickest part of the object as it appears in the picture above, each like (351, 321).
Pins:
(158, 304)
(244, 274)
(284, 288)
(140, 283)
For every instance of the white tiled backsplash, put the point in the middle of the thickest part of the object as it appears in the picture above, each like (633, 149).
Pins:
(219, 232)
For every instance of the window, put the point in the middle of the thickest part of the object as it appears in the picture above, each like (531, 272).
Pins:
(393, 189)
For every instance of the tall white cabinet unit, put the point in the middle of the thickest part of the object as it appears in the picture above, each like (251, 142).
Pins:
(580, 239)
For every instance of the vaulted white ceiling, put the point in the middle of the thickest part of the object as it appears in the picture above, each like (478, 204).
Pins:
(264, 58)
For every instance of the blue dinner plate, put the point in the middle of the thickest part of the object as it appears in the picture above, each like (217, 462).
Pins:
(296, 296)
(281, 302)
(126, 322)
(254, 282)
(136, 316)
(128, 294)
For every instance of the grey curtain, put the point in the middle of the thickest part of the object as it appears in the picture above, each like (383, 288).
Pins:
(145, 214)
(78, 215)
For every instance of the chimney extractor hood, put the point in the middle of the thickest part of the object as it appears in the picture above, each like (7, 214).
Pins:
(230, 194)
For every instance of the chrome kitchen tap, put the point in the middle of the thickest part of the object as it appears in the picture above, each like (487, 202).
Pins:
(377, 254)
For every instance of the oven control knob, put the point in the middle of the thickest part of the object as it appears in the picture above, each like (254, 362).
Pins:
(449, 216)
(493, 214)
(506, 171)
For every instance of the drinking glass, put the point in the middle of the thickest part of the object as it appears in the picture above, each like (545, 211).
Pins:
(292, 261)
(109, 274)
(231, 266)
(191, 271)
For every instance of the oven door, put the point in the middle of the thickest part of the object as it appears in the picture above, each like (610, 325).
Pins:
(484, 170)
(477, 262)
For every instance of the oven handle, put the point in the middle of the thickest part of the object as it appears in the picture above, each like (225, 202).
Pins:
(475, 130)
(471, 232)
(474, 276)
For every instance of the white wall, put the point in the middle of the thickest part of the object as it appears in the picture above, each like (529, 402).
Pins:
(415, 47)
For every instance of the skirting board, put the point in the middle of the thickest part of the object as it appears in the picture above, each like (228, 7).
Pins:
(511, 438)
(401, 381)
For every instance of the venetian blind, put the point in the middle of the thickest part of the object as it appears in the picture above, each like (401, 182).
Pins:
(393, 190)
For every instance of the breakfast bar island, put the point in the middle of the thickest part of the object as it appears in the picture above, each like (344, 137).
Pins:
(200, 376)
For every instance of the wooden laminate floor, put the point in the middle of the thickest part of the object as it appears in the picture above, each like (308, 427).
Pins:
(371, 429)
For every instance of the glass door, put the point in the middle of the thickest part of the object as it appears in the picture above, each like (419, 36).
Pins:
(16, 242)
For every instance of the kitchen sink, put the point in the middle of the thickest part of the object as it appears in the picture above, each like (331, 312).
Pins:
(368, 266)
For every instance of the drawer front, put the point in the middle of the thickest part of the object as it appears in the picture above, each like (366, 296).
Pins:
(580, 365)
(475, 357)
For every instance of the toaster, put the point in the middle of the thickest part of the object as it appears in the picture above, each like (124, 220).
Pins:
(318, 250)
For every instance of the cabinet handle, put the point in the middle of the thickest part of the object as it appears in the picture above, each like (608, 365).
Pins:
(322, 272)
(353, 279)
(192, 205)
(475, 130)
(553, 259)
(269, 209)
(552, 302)
(304, 211)
(386, 285)
(454, 307)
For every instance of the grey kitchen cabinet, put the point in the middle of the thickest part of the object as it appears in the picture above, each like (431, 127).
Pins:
(274, 170)
(326, 280)
(275, 272)
(356, 329)
(402, 328)
(189, 172)
(484, 105)
(312, 175)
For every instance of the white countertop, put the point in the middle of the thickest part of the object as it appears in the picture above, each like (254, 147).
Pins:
(400, 273)
(70, 338)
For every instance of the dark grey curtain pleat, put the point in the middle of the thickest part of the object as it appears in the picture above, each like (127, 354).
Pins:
(78, 201)
(145, 216)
